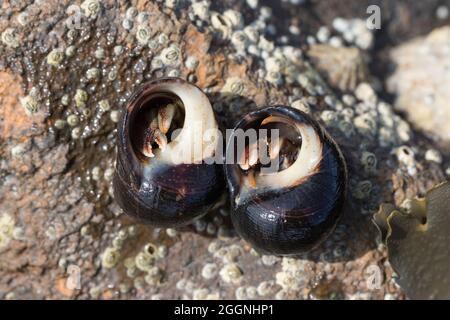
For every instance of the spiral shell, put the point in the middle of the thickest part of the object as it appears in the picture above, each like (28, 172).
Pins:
(160, 180)
(289, 211)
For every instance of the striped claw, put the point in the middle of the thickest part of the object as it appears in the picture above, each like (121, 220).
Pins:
(165, 116)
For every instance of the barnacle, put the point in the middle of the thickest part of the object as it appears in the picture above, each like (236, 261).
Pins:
(344, 67)
(418, 243)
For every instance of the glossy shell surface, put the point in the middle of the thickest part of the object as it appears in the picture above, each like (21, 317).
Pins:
(293, 214)
(164, 190)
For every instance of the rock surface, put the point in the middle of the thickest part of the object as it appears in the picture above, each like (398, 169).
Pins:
(67, 69)
(420, 82)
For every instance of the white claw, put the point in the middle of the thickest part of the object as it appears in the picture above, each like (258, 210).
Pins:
(244, 166)
(165, 116)
(285, 164)
(147, 150)
(249, 157)
(253, 154)
(275, 147)
(160, 139)
(153, 125)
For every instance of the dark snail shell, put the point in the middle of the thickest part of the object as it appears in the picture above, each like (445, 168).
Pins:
(160, 181)
(292, 210)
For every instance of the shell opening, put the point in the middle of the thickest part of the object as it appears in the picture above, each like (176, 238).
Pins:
(294, 154)
(170, 123)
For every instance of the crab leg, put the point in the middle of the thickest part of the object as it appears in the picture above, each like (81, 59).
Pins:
(165, 117)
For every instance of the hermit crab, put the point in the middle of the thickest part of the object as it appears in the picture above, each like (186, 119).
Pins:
(289, 208)
(166, 133)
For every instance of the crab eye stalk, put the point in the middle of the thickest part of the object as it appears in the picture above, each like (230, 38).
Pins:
(161, 176)
(290, 207)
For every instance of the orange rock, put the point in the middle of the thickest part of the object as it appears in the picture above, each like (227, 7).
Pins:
(211, 67)
(14, 122)
(107, 295)
(62, 287)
